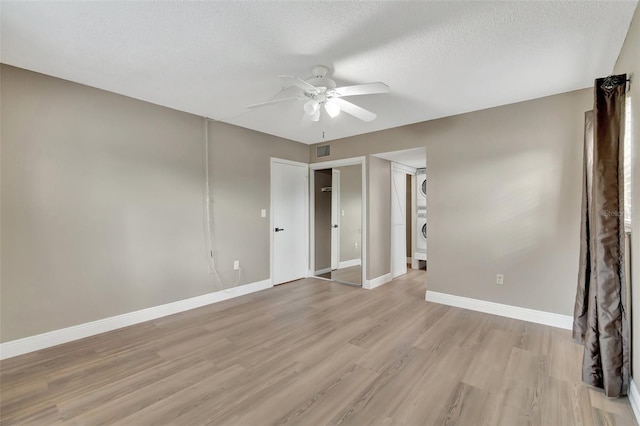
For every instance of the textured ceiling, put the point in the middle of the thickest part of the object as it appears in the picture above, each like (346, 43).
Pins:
(214, 58)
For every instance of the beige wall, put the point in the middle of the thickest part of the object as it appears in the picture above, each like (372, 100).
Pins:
(351, 205)
(239, 173)
(504, 197)
(102, 203)
(629, 63)
(378, 217)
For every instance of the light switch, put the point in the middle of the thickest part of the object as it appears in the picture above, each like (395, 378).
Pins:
(263, 213)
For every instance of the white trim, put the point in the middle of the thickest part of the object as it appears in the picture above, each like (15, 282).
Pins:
(337, 163)
(336, 219)
(271, 226)
(403, 168)
(377, 282)
(634, 399)
(327, 165)
(349, 263)
(364, 248)
(415, 263)
(322, 271)
(516, 312)
(394, 226)
(64, 335)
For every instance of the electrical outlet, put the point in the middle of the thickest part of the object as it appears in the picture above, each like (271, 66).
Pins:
(342, 212)
(236, 265)
(500, 279)
(263, 213)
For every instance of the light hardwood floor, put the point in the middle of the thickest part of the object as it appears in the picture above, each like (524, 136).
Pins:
(313, 352)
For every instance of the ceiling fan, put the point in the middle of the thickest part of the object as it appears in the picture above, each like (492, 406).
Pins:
(320, 92)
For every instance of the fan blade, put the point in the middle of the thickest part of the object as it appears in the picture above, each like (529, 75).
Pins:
(353, 109)
(362, 89)
(299, 82)
(316, 115)
(261, 104)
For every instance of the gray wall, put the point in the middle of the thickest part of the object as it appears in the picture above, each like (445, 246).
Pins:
(629, 63)
(239, 173)
(504, 197)
(102, 203)
(351, 204)
(378, 217)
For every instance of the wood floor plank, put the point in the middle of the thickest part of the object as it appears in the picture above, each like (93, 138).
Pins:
(326, 400)
(309, 385)
(176, 406)
(467, 405)
(136, 401)
(181, 371)
(313, 352)
(428, 405)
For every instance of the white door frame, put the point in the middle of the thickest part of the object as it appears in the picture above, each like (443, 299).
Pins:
(415, 263)
(397, 167)
(335, 219)
(363, 244)
(271, 224)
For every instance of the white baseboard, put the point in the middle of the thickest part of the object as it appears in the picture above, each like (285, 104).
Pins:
(634, 399)
(377, 282)
(420, 256)
(516, 312)
(348, 263)
(64, 335)
(322, 271)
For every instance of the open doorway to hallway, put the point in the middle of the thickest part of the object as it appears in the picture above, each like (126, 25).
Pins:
(408, 209)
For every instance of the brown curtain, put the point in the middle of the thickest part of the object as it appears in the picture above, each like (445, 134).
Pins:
(600, 320)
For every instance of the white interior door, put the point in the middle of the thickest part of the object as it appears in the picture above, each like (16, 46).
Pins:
(289, 220)
(335, 219)
(398, 222)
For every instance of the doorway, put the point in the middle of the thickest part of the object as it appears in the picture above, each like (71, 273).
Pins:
(338, 221)
(408, 209)
(400, 224)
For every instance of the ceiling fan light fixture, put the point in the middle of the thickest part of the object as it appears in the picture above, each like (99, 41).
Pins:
(320, 92)
(332, 109)
(311, 106)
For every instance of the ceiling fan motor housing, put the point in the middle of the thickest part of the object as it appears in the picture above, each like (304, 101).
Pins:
(320, 80)
(319, 71)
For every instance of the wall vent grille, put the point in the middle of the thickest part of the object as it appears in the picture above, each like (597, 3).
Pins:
(323, 151)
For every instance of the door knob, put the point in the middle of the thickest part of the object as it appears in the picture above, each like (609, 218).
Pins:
(279, 229)
(335, 226)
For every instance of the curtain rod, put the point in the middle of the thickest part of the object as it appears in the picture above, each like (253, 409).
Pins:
(611, 81)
